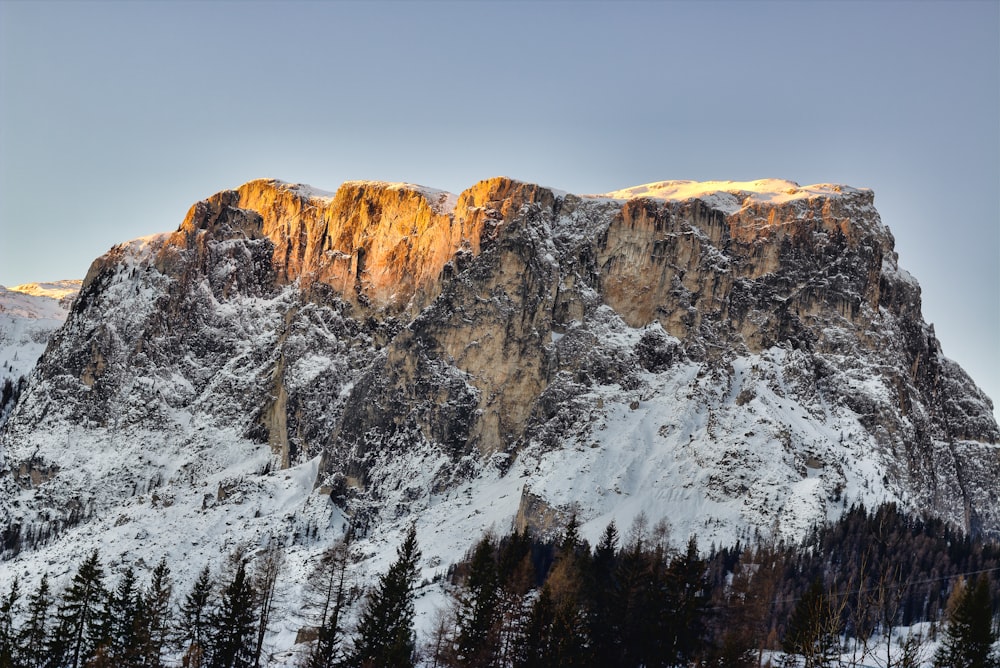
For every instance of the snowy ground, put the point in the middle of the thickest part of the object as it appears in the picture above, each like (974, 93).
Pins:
(644, 452)
(715, 456)
(28, 315)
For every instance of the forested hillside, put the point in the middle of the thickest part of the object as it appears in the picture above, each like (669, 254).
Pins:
(875, 588)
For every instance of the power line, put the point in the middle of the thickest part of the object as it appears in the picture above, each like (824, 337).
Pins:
(901, 585)
(898, 585)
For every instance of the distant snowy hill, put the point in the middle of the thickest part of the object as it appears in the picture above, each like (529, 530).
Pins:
(734, 357)
(29, 314)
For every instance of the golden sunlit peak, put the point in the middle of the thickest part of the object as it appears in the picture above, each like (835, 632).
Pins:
(402, 185)
(773, 191)
(54, 289)
(441, 201)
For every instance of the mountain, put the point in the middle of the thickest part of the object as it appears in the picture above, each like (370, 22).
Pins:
(29, 314)
(731, 356)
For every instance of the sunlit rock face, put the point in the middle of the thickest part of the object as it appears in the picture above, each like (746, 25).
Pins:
(733, 355)
(373, 244)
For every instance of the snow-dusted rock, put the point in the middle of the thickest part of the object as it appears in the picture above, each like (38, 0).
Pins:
(731, 356)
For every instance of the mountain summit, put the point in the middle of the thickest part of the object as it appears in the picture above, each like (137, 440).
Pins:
(735, 356)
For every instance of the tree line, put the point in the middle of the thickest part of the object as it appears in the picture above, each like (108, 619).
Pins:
(520, 601)
(221, 622)
(832, 600)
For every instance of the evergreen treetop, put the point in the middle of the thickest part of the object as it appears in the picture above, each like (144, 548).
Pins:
(385, 631)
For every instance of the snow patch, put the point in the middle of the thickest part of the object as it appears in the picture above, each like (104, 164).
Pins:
(731, 196)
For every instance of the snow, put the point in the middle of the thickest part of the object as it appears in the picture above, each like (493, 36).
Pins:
(441, 201)
(882, 649)
(57, 290)
(731, 196)
(655, 451)
(650, 450)
(38, 301)
(29, 314)
(726, 196)
(141, 249)
(308, 191)
(890, 267)
(718, 451)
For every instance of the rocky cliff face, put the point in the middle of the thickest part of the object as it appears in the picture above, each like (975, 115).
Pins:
(731, 355)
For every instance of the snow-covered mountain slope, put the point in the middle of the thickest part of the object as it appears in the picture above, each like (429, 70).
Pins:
(733, 357)
(29, 314)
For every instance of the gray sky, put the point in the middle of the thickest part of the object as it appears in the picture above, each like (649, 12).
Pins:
(115, 117)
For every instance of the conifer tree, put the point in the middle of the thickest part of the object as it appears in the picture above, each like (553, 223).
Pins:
(604, 553)
(516, 578)
(154, 632)
(742, 623)
(385, 631)
(196, 613)
(33, 637)
(812, 628)
(9, 606)
(602, 621)
(569, 634)
(571, 535)
(538, 648)
(119, 622)
(478, 614)
(685, 585)
(330, 596)
(80, 629)
(234, 624)
(265, 583)
(568, 638)
(969, 636)
(629, 606)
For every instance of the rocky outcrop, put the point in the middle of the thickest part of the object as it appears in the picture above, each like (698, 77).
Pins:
(390, 326)
(374, 245)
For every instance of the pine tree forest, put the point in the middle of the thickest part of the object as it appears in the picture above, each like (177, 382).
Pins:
(876, 589)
